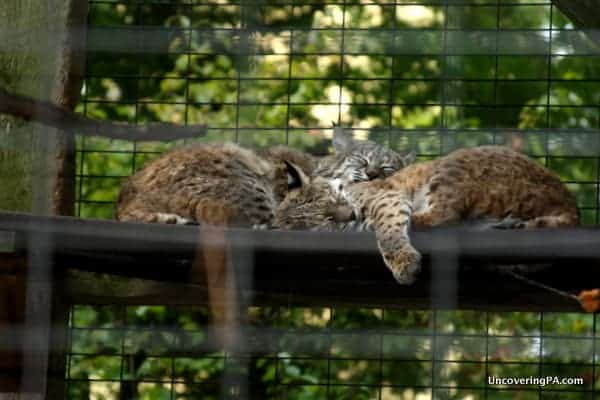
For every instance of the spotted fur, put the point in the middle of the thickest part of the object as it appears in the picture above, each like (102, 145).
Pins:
(218, 184)
(482, 183)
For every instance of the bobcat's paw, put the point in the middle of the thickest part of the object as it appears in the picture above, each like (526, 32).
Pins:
(405, 264)
(509, 222)
(260, 227)
(168, 218)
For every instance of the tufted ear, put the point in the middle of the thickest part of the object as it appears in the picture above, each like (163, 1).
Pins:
(295, 176)
(409, 158)
(342, 141)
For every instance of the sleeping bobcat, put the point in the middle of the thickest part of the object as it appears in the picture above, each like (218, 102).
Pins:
(218, 184)
(224, 184)
(488, 182)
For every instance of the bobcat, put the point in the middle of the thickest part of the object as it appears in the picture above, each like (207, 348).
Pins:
(217, 184)
(488, 182)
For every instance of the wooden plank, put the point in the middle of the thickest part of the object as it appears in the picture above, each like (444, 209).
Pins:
(475, 289)
(104, 237)
(309, 268)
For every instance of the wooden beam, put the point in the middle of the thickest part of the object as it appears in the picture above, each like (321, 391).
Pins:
(476, 290)
(309, 268)
(46, 113)
(113, 238)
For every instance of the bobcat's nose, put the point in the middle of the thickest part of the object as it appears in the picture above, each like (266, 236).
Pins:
(343, 214)
(372, 172)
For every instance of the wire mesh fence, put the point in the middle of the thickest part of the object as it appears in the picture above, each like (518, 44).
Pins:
(423, 76)
(318, 353)
(427, 76)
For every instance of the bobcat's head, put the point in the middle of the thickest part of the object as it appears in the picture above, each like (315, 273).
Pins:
(358, 161)
(312, 204)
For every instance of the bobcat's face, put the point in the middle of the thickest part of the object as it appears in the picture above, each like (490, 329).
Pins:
(359, 161)
(367, 161)
(314, 205)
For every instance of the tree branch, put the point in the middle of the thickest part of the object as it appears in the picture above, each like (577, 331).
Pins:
(70, 74)
(49, 114)
(585, 14)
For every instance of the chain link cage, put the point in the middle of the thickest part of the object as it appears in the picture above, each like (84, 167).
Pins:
(426, 76)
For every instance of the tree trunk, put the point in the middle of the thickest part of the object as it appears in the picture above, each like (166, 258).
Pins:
(42, 56)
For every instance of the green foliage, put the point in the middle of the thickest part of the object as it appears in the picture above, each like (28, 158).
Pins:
(392, 87)
(308, 353)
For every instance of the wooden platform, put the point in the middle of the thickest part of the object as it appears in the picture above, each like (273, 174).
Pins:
(109, 262)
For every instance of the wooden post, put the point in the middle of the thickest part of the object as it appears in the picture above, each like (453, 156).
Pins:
(212, 266)
(66, 93)
(12, 268)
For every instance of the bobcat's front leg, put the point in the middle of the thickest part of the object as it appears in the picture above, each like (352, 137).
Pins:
(400, 256)
(389, 216)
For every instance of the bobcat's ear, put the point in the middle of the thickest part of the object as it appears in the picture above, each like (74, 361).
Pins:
(342, 141)
(409, 158)
(295, 176)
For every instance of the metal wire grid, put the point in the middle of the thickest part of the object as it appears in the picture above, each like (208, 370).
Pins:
(382, 354)
(133, 53)
(106, 360)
